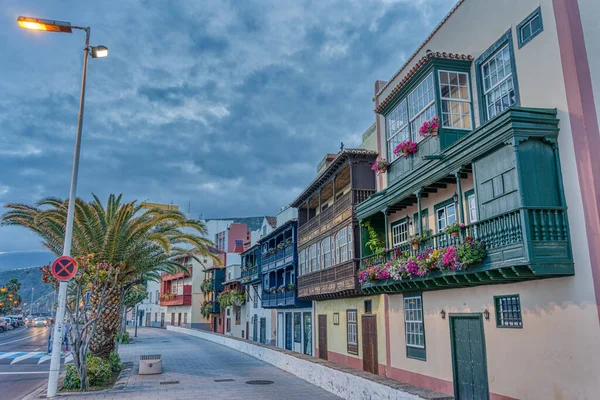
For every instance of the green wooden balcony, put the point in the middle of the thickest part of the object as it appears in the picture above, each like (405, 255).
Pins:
(523, 244)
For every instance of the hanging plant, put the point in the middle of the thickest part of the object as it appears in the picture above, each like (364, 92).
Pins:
(405, 148)
(380, 166)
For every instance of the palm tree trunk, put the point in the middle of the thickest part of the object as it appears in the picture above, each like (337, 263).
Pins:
(107, 327)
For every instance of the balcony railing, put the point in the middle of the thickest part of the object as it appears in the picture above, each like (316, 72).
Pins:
(250, 274)
(526, 243)
(340, 279)
(279, 299)
(178, 300)
(340, 210)
(279, 258)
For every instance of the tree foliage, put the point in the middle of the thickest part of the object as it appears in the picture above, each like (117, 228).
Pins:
(9, 296)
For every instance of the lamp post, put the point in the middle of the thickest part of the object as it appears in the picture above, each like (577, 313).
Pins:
(99, 51)
(31, 304)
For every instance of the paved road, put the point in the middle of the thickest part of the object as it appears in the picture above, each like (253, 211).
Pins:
(24, 363)
(194, 368)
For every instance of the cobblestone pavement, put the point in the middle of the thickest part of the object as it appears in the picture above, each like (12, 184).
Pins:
(196, 364)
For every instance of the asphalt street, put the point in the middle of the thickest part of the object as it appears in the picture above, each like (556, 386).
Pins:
(24, 363)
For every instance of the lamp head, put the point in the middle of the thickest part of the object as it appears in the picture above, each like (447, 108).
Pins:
(38, 24)
(99, 51)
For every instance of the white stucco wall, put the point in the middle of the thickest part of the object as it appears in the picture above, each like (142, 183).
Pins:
(589, 11)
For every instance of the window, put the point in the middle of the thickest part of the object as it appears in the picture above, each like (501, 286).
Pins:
(421, 106)
(297, 327)
(302, 261)
(336, 318)
(399, 232)
(530, 27)
(368, 306)
(156, 297)
(342, 245)
(155, 317)
(396, 128)
(185, 318)
(326, 252)
(150, 297)
(446, 215)
(238, 315)
(352, 328)
(255, 301)
(471, 207)
(415, 333)
(508, 311)
(314, 259)
(456, 99)
(350, 238)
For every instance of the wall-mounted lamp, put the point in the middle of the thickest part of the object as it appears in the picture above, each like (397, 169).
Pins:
(443, 314)
(486, 314)
(455, 198)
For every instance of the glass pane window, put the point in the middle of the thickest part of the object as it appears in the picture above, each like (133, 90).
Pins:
(413, 319)
(456, 99)
(498, 85)
(326, 250)
(531, 28)
(396, 128)
(399, 233)
(352, 327)
(472, 204)
(421, 106)
(446, 216)
(508, 311)
(342, 246)
(350, 242)
(313, 257)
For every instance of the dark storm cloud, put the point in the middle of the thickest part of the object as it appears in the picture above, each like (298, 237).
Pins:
(225, 106)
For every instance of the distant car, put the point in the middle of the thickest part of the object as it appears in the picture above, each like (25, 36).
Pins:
(39, 321)
(3, 325)
(9, 326)
(18, 319)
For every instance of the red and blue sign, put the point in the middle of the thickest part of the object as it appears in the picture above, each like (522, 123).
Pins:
(64, 268)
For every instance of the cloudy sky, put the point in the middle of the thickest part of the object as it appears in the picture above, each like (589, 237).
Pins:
(225, 106)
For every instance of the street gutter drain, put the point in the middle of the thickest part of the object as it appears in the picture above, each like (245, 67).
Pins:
(169, 382)
(259, 382)
(224, 380)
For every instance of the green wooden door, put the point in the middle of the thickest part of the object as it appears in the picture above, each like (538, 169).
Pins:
(468, 357)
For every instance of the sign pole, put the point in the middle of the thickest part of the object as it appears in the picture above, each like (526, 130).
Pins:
(57, 335)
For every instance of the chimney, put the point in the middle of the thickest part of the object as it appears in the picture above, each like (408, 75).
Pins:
(324, 163)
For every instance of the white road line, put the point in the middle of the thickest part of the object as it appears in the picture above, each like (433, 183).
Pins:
(25, 338)
(43, 359)
(23, 373)
(24, 357)
(69, 358)
(6, 355)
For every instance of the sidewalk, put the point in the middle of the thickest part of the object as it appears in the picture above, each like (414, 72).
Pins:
(195, 364)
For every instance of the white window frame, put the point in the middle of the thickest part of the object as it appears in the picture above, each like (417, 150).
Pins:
(342, 245)
(472, 208)
(314, 257)
(302, 261)
(414, 130)
(452, 99)
(350, 239)
(413, 319)
(352, 327)
(446, 223)
(326, 252)
(487, 91)
(393, 136)
(397, 233)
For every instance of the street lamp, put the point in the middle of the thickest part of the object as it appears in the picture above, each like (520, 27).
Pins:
(98, 51)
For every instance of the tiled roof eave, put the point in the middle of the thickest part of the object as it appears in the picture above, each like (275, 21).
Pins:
(418, 66)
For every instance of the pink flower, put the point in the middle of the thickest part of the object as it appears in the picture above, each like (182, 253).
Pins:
(405, 148)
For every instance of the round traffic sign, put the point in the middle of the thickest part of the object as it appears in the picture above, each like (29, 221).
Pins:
(64, 268)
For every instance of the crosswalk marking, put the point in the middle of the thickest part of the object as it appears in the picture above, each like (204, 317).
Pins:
(44, 359)
(24, 357)
(68, 358)
(7, 355)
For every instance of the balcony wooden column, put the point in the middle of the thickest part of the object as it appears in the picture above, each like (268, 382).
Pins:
(387, 228)
(307, 212)
(333, 185)
(420, 222)
(461, 213)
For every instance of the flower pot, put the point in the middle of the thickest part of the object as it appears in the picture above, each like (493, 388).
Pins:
(405, 153)
(415, 246)
(454, 234)
(434, 132)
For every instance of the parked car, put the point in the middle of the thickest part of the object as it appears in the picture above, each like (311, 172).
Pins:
(8, 322)
(39, 321)
(18, 319)
(3, 325)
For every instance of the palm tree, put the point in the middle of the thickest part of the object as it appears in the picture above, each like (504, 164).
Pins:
(141, 243)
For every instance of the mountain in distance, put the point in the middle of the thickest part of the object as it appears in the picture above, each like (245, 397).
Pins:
(24, 259)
